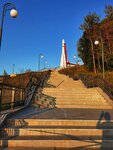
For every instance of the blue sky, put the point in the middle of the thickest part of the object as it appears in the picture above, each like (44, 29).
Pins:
(40, 28)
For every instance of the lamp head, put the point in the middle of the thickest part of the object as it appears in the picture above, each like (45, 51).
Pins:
(74, 56)
(96, 42)
(13, 13)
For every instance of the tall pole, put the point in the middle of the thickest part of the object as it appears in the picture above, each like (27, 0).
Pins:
(44, 64)
(0, 98)
(13, 68)
(1, 27)
(13, 13)
(103, 69)
(39, 63)
(102, 49)
(40, 56)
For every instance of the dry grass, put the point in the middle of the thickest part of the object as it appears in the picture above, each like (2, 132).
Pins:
(21, 80)
(73, 71)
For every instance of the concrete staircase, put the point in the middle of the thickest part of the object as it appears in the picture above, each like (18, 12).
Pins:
(61, 128)
(73, 94)
(56, 134)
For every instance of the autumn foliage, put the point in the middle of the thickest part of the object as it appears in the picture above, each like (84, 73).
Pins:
(95, 29)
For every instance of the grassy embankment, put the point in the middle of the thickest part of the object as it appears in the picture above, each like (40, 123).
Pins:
(77, 70)
(21, 80)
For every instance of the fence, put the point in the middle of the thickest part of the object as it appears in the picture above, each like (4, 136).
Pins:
(96, 81)
(10, 97)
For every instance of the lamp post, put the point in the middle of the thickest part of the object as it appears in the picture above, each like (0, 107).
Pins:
(45, 62)
(40, 56)
(13, 68)
(13, 14)
(76, 59)
(48, 66)
(103, 70)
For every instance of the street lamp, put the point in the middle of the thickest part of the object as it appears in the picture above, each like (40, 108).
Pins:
(45, 62)
(13, 68)
(76, 59)
(40, 56)
(48, 66)
(103, 70)
(13, 14)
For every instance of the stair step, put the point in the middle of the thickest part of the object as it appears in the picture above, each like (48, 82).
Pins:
(56, 122)
(81, 103)
(58, 137)
(84, 106)
(60, 99)
(78, 98)
(70, 90)
(54, 148)
(63, 127)
(74, 94)
(54, 132)
(71, 93)
(58, 143)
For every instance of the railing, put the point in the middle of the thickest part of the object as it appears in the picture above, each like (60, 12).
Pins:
(96, 81)
(34, 83)
(11, 105)
(89, 80)
(10, 96)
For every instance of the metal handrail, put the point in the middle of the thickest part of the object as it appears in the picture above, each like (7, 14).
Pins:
(89, 80)
(97, 81)
(11, 105)
(34, 81)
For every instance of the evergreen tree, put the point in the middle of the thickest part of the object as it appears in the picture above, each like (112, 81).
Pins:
(109, 11)
(5, 73)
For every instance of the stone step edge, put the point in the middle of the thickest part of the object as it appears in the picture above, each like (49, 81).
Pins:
(57, 129)
(54, 122)
(57, 143)
(84, 106)
(59, 120)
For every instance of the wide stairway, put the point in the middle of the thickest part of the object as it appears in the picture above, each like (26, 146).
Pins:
(81, 119)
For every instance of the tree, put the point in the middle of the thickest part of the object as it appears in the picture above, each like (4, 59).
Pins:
(110, 64)
(84, 52)
(109, 11)
(5, 73)
(96, 30)
(89, 21)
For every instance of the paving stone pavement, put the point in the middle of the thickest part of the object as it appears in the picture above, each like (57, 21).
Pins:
(61, 113)
(29, 112)
(72, 113)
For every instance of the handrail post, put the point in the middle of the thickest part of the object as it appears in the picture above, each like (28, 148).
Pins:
(13, 98)
(0, 98)
(21, 94)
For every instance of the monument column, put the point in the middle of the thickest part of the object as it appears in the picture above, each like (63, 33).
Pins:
(63, 55)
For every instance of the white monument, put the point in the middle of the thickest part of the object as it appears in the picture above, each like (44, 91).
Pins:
(63, 61)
